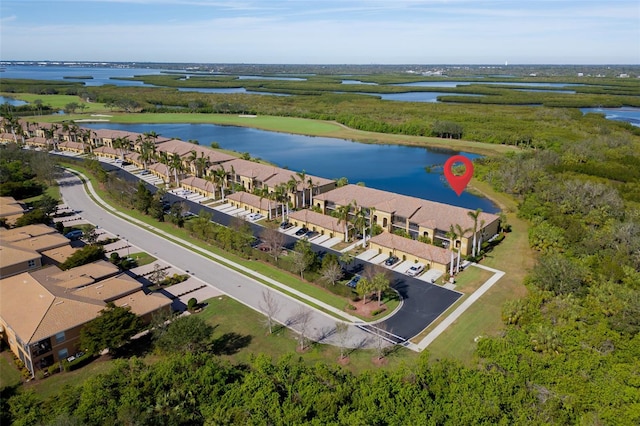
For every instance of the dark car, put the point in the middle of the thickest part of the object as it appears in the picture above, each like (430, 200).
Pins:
(353, 283)
(300, 232)
(74, 235)
(391, 260)
(285, 225)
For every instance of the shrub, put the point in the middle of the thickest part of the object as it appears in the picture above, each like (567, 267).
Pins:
(192, 303)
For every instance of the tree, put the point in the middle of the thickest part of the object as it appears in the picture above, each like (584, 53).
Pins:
(302, 176)
(380, 284)
(112, 329)
(342, 213)
(220, 176)
(474, 215)
(157, 275)
(47, 204)
(86, 254)
(302, 256)
(360, 222)
(147, 152)
(186, 334)
(342, 334)
(274, 240)
(175, 163)
(269, 305)
(331, 271)
(452, 236)
(292, 188)
(364, 287)
(461, 233)
(303, 320)
(142, 198)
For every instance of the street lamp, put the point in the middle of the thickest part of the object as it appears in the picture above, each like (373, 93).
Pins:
(127, 240)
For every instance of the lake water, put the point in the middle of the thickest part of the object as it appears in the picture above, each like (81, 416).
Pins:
(628, 114)
(100, 76)
(11, 101)
(398, 169)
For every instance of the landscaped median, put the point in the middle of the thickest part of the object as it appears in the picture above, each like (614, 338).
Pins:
(279, 280)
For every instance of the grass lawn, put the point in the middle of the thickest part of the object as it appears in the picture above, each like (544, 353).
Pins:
(9, 374)
(244, 325)
(52, 190)
(142, 258)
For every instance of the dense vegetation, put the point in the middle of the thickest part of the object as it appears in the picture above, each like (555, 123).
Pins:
(569, 352)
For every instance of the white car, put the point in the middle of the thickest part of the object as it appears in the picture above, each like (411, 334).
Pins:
(254, 216)
(415, 269)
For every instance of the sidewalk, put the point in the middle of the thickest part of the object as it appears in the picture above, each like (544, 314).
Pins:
(225, 262)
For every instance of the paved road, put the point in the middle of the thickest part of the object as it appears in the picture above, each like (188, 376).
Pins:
(423, 302)
(321, 327)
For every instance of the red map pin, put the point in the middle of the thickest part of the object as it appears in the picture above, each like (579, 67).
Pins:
(458, 183)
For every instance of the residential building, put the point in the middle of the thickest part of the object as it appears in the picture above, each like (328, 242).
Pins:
(414, 216)
(60, 303)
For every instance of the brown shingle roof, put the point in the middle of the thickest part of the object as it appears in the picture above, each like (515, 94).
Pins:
(319, 219)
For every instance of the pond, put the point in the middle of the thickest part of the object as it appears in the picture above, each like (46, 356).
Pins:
(628, 114)
(399, 169)
(11, 101)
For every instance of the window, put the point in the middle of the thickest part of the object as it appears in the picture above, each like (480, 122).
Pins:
(32, 263)
(63, 353)
(60, 337)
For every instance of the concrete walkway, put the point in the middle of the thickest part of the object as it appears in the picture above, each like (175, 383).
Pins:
(245, 287)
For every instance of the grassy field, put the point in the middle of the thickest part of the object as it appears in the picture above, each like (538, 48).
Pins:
(9, 374)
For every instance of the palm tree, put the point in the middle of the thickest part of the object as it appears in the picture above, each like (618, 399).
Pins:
(474, 215)
(360, 221)
(310, 182)
(264, 193)
(481, 235)
(202, 163)
(177, 167)
(452, 238)
(292, 187)
(121, 144)
(220, 176)
(303, 176)
(147, 152)
(281, 196)
(342, 213)
(461, 234)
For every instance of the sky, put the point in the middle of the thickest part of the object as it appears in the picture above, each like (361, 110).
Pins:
(323, 31)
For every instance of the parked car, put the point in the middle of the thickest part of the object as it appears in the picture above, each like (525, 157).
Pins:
(415, 269)
(254, 216)
(74, 235)
(286, 225)
(310, 234)
(353, 283)
(391, 260)
(300, 232)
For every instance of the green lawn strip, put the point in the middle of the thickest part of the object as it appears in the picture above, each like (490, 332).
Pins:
(142, 258)
(9, 373)
(230, 316)
(273, 273)
(471, 279)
